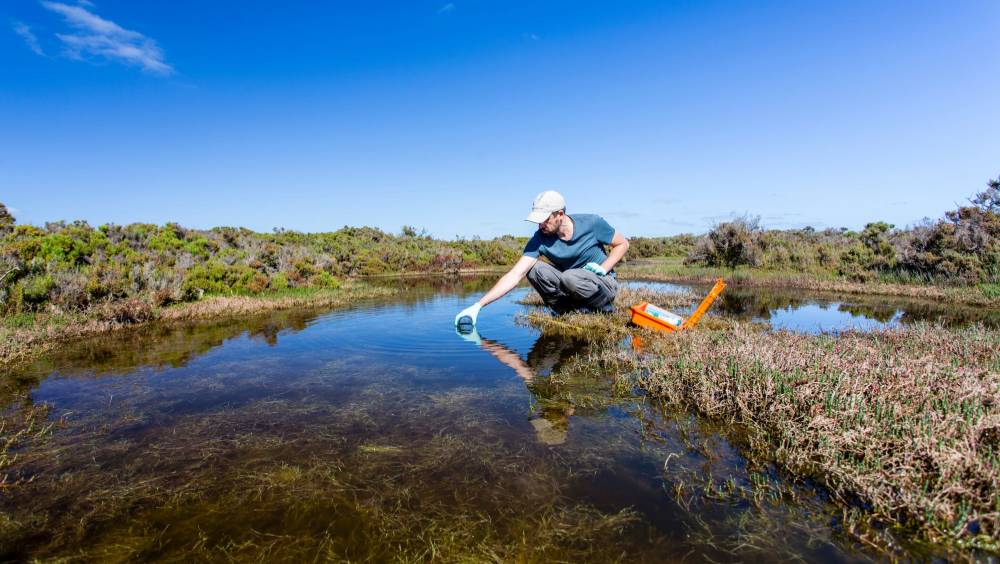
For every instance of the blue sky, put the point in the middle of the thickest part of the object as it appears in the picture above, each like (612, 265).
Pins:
(662, 116)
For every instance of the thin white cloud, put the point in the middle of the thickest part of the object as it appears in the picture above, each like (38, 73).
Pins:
(98, 38)
(24, 31)
(449, 7)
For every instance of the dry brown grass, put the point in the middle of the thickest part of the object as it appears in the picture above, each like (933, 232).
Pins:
(213, 307)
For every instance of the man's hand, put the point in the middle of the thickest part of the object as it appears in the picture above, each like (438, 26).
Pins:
(472, 312)
(595, 268)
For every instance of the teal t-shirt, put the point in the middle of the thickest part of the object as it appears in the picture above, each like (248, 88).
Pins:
(590, 233)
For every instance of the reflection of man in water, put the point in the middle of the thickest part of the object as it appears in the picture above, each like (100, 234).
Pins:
(552, 422)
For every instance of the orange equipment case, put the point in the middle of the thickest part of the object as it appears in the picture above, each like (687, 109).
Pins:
(643, 319)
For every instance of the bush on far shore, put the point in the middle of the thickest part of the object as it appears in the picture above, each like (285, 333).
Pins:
(961, 248)
(75, 267)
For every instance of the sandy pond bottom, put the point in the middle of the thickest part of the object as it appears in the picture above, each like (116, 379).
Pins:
(377, 433)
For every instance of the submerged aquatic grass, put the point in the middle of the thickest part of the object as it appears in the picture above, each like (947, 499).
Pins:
(303, 483)
(22, 425)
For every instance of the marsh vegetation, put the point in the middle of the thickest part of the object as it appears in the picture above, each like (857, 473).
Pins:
(899, 425)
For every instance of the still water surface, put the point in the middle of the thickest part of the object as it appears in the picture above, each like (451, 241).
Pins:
(376, 433)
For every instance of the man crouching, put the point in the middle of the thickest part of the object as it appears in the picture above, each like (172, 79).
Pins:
(581, 275)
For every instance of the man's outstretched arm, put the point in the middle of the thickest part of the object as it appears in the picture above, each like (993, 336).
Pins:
(506, 283)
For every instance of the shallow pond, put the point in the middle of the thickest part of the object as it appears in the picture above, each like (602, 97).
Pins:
(815, 312)
(377, 433)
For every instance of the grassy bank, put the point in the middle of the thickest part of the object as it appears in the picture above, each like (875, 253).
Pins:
(604, 326)
(674, 270)
(901, 426)
(25, 335)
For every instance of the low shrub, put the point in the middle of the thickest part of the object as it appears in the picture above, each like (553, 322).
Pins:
(278, 282)
(131, 310)
(730, 244)
(36, 289)
(324, 280)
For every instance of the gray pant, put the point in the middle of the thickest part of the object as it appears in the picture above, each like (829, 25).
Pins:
(573, 289)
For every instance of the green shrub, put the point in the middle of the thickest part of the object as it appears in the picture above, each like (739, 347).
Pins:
(826, 256)
(56, 247)
(215, 277)
(324, 280)
(36, 288)
(19, 320)
(304, 268)
(731, 244)
(14, 303)
(200, 247)
(107, 281)
(990, 290)
(204, 279)
(166, 239)
(278, 282)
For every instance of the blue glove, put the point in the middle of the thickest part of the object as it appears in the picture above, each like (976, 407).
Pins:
(595, 268)
(472, 312)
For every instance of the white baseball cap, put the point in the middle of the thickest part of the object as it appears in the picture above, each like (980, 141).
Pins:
(544, 204)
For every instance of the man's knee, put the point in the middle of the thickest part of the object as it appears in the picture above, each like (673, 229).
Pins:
(535, 273)
(579, 283)
(544, 277)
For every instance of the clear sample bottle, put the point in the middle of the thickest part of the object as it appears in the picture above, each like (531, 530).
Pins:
(664, 315)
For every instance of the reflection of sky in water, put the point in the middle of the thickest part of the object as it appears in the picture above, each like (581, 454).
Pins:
(417, 340)
(801, 311)
(816, 318)
(810, 317)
